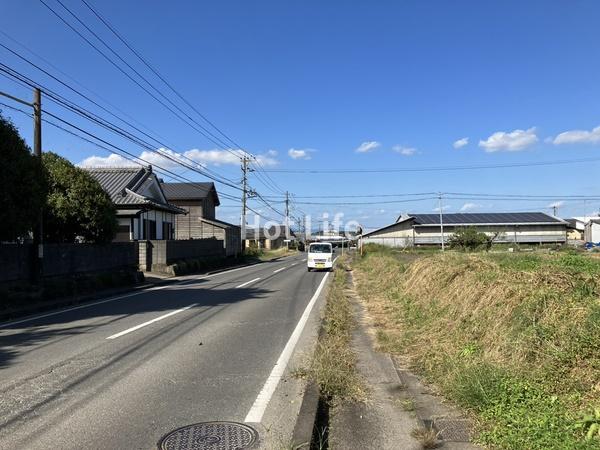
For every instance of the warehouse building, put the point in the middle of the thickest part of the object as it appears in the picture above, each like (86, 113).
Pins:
(426, 229)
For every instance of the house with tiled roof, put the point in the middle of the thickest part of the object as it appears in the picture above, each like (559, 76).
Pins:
(199, 200)
(143, 211)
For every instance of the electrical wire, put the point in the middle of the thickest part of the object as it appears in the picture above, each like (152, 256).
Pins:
(436, 169)
(113, 127)
(269, 183)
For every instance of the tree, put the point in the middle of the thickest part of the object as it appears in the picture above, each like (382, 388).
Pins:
(77, 207)
(468, 238)
(23, 185)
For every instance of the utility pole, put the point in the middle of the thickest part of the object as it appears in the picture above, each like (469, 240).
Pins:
(287, 215)
(555, 210)
(38, 249)
(38, 232)
(244, 198)
(441, 219)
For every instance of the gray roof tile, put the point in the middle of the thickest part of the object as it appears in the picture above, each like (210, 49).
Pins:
(123, 185)
(189, 191)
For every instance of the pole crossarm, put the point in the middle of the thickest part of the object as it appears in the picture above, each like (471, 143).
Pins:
(16, 99)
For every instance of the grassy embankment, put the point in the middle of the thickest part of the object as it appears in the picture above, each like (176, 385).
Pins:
(333, 366)
(513, 338)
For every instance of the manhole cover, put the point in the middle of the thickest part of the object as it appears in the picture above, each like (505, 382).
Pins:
(210, 436)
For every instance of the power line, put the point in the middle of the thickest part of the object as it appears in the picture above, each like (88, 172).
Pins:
(262, 215)
(111, 126)
(436, 169)
(205, 132)
(77, 82)
(130, 157)
(202, 130)
(155, 71)
(268, 182)
(366, 203)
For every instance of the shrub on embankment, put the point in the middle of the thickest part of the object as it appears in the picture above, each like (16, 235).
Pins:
(513, 338)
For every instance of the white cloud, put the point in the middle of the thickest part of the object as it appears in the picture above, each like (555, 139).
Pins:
(169, 161)
(513, 141)
(404, 151)
(300, 153)
(268, 158)
(461, 143)
(112, 160)
(381, 211)
(444, 208)
(367, 146)
(231, 157)
(469, 206)
(556, 204)
(578, 137)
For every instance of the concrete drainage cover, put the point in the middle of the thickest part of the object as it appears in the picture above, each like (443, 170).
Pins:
(210, 436)
(455, 430)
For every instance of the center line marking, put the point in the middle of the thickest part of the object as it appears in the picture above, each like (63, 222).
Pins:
(141, 325)
(257, 411)
(279, 270)
(247, 283)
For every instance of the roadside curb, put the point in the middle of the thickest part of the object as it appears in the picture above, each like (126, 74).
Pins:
(305, 423)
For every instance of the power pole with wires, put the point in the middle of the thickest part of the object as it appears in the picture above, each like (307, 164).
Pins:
(245, 162)
(38, 240)
(287, 215)
(441, 218)
(38, 232)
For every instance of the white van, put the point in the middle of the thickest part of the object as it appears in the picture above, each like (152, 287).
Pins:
(320, 256)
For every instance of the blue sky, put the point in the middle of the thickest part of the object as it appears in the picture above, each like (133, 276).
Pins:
(406, 80)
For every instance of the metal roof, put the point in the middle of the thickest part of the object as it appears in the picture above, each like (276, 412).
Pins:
(124, 184)
(190, 191)
(518, 218)
(219, 223)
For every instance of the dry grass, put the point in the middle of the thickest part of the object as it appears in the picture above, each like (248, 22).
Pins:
(427, 437)
(333, 367)
(462, 320)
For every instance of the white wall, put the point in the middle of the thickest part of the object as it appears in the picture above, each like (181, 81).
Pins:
(592, 232)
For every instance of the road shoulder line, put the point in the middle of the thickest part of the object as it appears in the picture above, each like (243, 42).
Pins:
(257, 410)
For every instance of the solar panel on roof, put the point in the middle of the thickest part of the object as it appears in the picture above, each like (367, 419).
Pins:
(484, 218)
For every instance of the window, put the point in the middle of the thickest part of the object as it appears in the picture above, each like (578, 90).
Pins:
(149, 229)
(167, 230)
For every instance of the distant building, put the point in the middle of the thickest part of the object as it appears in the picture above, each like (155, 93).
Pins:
(575, 229)
(425, 229)
(199, 201)
(270, 238)
(592, 231)
(143, 211)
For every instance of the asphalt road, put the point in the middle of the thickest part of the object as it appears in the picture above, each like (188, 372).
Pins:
(122, 372)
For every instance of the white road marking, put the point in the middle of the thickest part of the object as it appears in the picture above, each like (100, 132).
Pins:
(112, 299)
(257, 411)
(141, 325)
(279, 270)
(247, 283)
(304, 260)
(87, 305)
(293, 264)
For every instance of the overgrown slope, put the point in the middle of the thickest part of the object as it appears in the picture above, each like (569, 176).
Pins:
(515, 338)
